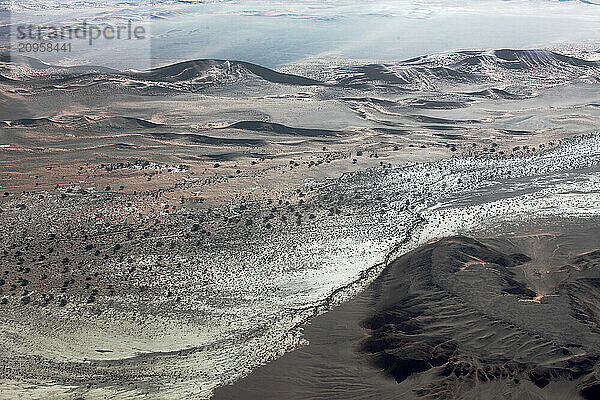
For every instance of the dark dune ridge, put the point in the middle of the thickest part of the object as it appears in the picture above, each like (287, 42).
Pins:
(138, 122)
(32, 122)
(203, 139)
(427, 322)
(202, 72)
(82, 121)
(279, 129)
(436, 105)
(188, 70)
(390, 75)
(456, 318)
(393, 131)
(30, 62)
(471, 67)
(436, 120)
(117, 122)
(523, 59)
(515, 132)
(529, 58)
(495, 93)
(5, 79)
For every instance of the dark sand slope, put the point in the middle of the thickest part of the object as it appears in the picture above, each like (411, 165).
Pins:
(198, 68)
(458, 318)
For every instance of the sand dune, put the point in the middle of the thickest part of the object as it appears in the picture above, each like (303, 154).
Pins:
(280, 129)
(203, 69)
